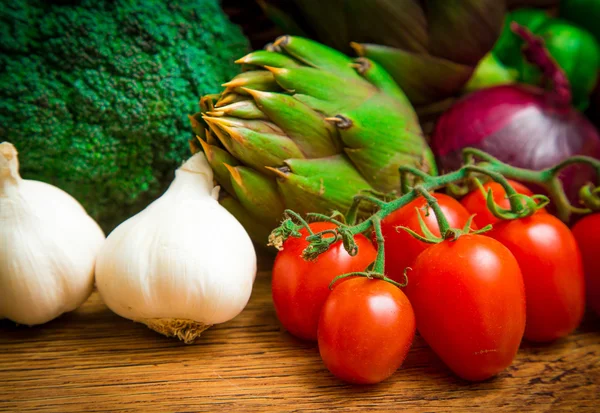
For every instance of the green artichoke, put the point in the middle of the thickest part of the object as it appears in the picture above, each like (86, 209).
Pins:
(305, 127)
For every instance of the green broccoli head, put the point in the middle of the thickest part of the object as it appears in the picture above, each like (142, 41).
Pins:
(95, 93)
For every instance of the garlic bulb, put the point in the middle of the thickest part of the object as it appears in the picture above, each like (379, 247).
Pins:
(182, 264)
(48, 247)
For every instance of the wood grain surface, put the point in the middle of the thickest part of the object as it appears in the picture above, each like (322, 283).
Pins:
(92, 360)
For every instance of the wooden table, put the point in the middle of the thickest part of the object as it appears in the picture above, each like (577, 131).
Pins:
(93, 360)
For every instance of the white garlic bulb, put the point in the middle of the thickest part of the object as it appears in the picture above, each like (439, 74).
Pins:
(182, 264)
(48, 247)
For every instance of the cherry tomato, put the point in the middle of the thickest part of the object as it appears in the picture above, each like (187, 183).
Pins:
(401, 248)
(365, 330)
(300, 287)
(587, 234)
(552, 272)
(475, 201)
(469, 302)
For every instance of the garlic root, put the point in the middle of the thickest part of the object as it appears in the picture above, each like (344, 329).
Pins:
(185, 330)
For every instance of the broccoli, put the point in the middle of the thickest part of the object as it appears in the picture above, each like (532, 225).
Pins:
(95, 93)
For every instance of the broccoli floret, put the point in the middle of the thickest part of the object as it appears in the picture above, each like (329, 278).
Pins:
(95, 93)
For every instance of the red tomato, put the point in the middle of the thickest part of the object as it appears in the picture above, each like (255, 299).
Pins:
(469, 303)
(552, 272)
(300, 287)
(475, 202)
(587, 234)
(401, 248)
(365, 331)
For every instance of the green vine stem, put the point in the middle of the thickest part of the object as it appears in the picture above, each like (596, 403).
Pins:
(377, 271)
(439, 214)
(379, 266)
(520, 205)
(546, 178)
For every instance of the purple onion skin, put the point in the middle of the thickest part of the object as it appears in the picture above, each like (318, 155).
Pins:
(520, 125)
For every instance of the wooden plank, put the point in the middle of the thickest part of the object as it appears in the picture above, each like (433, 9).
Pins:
(92, 360)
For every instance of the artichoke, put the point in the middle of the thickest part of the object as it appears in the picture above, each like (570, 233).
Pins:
(429, 47)
(305, 127)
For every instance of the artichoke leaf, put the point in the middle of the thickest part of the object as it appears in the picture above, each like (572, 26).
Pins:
(265, 58)
(254, 79)
(316, 55)
(255, 149)
(198, 125)
(217, 158)
(397, 23)
(256, 125)
(378, 152)
(319, 185)
(424, 78)
(257, 193)
(315, 136)
(227, 98)
(381, 79)
(323, 85)
(245, 109)
(463, 31)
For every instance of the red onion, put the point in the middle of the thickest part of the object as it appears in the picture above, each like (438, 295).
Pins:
(522, 125)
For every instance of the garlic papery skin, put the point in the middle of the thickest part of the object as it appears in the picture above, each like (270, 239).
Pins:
(181, 265)
(48, 247)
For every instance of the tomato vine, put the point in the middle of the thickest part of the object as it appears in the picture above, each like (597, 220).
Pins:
(415, 183)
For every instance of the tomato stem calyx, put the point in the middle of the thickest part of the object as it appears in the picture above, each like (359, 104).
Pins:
(289, 228)
(590, 196)
(547, 178)
(372, 275)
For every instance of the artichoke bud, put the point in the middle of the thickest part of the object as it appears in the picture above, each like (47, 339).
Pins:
(307, 129)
